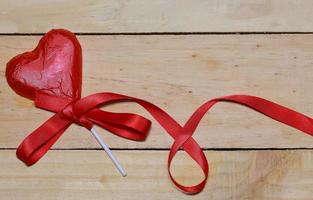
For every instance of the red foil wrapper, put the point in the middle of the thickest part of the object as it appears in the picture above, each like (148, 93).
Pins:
(54, 67)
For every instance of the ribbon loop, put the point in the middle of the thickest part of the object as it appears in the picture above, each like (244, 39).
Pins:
(130, 126)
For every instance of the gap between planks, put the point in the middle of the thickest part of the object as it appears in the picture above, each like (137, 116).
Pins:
(169, 33)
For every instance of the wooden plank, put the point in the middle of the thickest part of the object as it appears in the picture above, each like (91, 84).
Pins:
(269, 175)
(98, 16)
(180, 71)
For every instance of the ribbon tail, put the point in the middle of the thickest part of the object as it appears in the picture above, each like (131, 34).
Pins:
(36, 144)
(275, 111)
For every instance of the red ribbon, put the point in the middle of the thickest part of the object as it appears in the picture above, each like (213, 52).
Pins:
(86, 112)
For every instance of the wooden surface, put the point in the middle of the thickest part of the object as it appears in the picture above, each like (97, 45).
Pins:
(87, 174)
(250, 156)
(98, 16)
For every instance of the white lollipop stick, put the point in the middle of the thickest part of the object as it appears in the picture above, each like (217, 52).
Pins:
(108, 151)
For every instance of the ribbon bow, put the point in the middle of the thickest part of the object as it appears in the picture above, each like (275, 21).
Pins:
(34, 146)
(86, 112)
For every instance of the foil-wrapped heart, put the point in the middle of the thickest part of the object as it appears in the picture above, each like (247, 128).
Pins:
(54, 67)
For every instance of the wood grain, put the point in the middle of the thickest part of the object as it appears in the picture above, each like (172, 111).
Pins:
(110, 16)
(270, 175)
(178, 72)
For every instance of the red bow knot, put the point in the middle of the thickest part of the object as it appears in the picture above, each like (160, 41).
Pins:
(70, 114)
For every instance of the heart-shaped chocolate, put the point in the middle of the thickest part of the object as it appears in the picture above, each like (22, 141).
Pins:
(54, 67)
